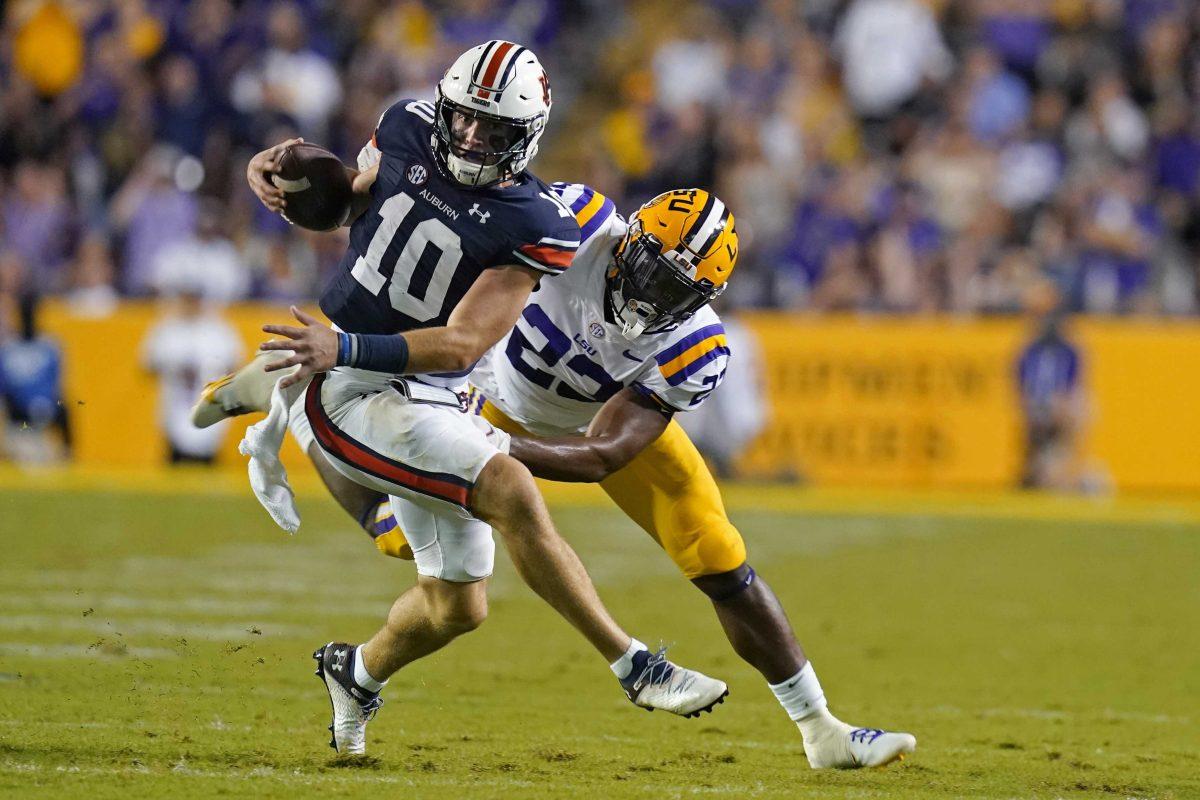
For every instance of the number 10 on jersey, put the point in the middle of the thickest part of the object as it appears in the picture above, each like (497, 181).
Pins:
(407, 295)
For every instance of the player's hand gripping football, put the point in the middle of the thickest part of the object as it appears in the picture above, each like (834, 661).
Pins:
(314, 347)
(258, 175)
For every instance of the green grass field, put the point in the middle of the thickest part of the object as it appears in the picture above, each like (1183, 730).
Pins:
(158, 646)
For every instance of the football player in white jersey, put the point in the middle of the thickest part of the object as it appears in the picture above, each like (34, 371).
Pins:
(587, 384)
(424, 289)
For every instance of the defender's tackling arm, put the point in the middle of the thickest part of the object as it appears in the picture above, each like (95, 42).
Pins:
(624, 426)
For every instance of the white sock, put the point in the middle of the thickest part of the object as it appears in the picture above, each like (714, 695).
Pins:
(362, 677)
(624, 665)
(298, 424)
(804, 701)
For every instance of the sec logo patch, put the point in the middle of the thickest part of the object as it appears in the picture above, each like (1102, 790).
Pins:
(597, 330)
(417, 174)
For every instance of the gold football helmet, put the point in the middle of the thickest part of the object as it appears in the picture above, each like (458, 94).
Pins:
(678, 254)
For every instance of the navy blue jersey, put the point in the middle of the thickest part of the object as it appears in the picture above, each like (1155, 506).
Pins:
(425, 239)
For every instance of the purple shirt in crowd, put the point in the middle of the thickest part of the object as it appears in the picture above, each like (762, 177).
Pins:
(165, 216)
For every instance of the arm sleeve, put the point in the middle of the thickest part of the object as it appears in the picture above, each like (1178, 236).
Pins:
(369, 155)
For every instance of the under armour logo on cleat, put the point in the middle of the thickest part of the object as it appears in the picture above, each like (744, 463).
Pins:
(865, 735)
(483, 215)
(339, 660)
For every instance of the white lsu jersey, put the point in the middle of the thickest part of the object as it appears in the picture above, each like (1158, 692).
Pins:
(565, 358)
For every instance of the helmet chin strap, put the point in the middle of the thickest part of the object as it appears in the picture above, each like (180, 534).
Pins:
(631, 330)
(471, 174)
(632, 323)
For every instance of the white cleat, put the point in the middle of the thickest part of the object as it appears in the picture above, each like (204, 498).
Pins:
(846, 747)
(352, 708)
(670, 687)
(241, 392)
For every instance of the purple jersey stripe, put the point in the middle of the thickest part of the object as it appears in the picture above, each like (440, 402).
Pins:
(682, 375)
(679, 348)
(598, 219)
(582, 200)
(384, 525)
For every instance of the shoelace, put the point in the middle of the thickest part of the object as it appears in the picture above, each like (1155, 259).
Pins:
(659, 671)
(370, 707)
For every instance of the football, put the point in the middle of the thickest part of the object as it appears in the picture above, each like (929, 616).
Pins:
(317, 186)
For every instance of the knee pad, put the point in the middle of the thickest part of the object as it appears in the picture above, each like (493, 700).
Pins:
(455, 549)
(726, 585)
(703, 548)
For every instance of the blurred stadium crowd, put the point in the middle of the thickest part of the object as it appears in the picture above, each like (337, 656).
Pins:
(881, 155)
(126, 126)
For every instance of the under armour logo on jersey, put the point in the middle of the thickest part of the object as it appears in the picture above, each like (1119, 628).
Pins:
(483, 215)
(418, 174)
(339, 660)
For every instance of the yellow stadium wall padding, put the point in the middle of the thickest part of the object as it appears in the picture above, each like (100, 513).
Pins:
(855, 401)
(933, 402)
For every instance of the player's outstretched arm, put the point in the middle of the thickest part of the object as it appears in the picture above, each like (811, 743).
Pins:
(488, 311)
(624, 426)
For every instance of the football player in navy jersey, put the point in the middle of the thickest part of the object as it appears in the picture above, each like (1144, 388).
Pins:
(450, 234)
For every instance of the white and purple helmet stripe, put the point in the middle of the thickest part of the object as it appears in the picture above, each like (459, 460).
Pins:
(708, 225)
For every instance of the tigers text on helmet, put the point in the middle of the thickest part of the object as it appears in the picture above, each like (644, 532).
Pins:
(492, 106)
(677, 255)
